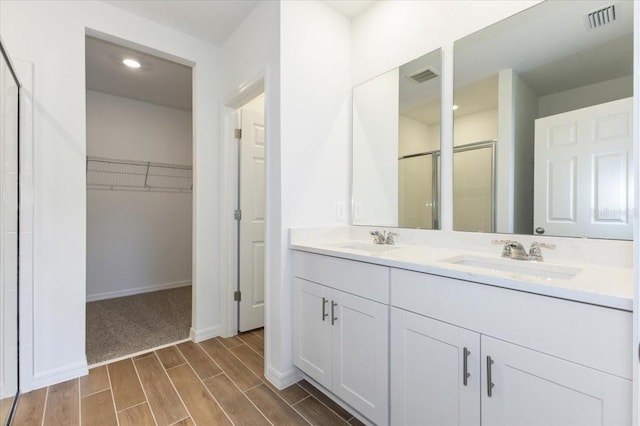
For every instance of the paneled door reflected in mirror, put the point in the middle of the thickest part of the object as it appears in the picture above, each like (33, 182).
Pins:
(9, 119)
(396, 146)
(551, 88)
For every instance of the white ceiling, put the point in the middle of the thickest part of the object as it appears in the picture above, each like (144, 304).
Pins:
(551, 40)
(213, 21)
(350, 8)
(158, 81)
(421, 101)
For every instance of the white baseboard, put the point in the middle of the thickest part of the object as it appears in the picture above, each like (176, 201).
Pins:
(136, 290)
(6, 392)
(204, 334)
(59, 375)
(283, 380)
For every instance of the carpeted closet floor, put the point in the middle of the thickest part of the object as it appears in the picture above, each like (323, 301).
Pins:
(125, 325)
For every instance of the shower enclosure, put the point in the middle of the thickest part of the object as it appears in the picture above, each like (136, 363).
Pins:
(9, 229)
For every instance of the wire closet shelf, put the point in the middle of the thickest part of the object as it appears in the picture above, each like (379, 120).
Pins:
(127, 175)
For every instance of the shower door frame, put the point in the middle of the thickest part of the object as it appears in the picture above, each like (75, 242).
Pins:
(6, 57)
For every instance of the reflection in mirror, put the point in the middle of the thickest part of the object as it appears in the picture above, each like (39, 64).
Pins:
(396, 146)
(543, 122)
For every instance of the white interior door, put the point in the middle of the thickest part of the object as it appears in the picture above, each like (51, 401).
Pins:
(252, 229)
(583, 172)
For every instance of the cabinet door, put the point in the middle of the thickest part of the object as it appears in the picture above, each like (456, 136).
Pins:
(531, 388)
(361, 355)
(427, 372)
(312, 332)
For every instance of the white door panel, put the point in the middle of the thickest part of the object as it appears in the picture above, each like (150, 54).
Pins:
(252, 224)
(312, 331)
(427, 372)
(562, 190)
(583, 172)
(361, 355)
(524, 381)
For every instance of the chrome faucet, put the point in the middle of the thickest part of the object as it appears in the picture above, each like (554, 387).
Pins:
(383, 237)
(535, 253)
(512, 250)
(515, 250)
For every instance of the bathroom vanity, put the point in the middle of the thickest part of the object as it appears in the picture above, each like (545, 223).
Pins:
(441, 329)
(424, 334)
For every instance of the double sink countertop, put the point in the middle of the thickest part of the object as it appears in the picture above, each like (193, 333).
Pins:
(608, 286)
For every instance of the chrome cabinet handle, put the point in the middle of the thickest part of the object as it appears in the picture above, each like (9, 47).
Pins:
(490, 384)
(324, 308)
(333, 315)
(465, 374)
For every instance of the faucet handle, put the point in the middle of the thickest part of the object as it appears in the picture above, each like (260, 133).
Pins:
(534, 251)
(545, 245)
(389, 239)
(506, 249)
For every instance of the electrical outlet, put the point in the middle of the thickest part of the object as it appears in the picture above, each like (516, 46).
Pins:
(340, 211)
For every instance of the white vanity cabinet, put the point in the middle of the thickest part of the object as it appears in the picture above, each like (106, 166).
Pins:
(530, 359)
(429, 362)
(532, 388)
(340, 330)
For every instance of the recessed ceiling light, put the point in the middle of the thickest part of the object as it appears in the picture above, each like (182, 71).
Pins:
(455, 107)
(131, 63)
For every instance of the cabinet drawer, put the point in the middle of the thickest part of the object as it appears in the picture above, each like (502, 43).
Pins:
(590, 335)
(359, 278)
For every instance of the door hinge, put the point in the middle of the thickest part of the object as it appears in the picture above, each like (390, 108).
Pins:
(237, 296)
(237, 214)
(237, 133)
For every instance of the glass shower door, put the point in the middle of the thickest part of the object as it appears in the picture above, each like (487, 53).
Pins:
(416, 192)
(9, 135)
(473, 187)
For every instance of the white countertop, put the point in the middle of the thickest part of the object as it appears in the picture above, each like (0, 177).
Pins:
(609, 286)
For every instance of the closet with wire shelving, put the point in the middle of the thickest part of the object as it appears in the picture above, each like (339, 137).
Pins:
(139, 180)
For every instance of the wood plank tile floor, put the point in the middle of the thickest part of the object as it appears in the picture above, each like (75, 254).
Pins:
(216, 382)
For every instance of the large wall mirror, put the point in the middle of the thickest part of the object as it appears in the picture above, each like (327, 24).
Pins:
(396, 146)
(543, 122)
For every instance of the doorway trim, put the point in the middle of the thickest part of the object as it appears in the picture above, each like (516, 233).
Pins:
(229, 152)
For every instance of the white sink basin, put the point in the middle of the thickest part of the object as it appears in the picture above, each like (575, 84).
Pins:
(368, 247)
(535, 269)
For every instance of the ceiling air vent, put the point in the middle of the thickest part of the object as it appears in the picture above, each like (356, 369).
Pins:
(424, 75)
(601, 17)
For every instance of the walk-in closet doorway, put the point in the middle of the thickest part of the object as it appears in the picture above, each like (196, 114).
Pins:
(139, 200)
